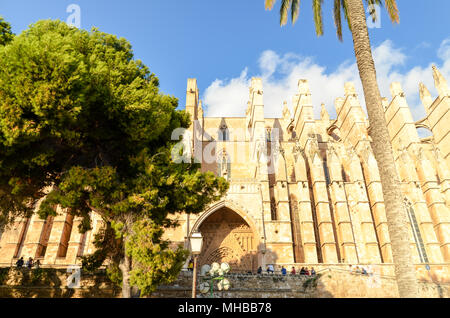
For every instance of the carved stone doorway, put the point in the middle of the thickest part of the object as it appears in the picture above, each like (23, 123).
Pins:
(228, 238)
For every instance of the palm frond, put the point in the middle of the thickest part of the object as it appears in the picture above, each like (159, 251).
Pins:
(337, 18)
(285, 5)
(269, 4)
(317, 9)
(295, 9)
(391, 6)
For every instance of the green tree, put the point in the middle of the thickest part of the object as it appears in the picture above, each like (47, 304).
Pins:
(84, 126)
(6, 34)
(354, 13)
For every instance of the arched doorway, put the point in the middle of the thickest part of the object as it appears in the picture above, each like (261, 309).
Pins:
(227, 237)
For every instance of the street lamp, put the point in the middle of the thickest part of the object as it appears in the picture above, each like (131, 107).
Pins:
(196, 241)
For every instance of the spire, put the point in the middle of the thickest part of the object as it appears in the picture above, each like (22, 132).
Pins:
(324, 113)
(440, 82)
(396, 90)
(256, 83)
(338, 103)
(350, 89)
(425, 96)
(200, 109)
(192, 85)
(303, 87)
(286, 112)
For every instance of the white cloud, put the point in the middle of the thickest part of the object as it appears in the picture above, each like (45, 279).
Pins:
(444, 50)
(280, 74)
(227, 98)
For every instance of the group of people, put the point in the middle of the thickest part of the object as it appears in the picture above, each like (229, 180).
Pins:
(358, 270)
(20, 263)
(303, 271)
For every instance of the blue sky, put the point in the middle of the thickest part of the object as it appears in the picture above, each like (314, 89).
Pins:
(224, 43)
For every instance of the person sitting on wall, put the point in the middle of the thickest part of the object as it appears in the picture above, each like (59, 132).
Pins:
(302, 271)
(19, 262)
(259, 270)
(306, 271)
(293, 270)
(37, 264)
(283, 271)
(270, 269)
(313, 272)
(363, 271)
(30, 263)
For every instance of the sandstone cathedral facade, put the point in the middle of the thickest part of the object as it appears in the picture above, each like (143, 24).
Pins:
(303, 191)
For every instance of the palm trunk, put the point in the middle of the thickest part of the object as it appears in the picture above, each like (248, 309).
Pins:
(382, 148)
(126, 263)
(125, 267)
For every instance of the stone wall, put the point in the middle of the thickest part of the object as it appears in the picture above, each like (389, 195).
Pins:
(331, 283)
(327, 284)
(53, 283)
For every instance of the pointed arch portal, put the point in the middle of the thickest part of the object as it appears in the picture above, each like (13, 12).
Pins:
(227, 237)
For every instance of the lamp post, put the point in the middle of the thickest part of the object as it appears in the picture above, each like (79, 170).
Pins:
(196, 241)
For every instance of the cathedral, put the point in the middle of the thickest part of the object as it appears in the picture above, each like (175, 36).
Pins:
(303, 191)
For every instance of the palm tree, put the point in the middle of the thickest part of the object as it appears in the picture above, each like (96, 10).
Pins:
(354, 13)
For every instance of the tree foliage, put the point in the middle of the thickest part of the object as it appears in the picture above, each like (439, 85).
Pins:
(6, 34)
(154, 263)
(84, 126)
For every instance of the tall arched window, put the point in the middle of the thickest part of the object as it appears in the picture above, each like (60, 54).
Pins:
(416, 233)
(268, 134)
(292, 133)
(45, 236)
(224, 134)
(224, 166)
(65, 236)
(345, 177)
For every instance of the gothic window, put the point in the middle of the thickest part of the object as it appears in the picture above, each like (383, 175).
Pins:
(268, 134)
(292, 133)
(82, 245)
(224, 166)
(45, 235)
(327, 173)
(273, 209)
(65, 237)
(298, 246)
(416, 233)
(224, 134)
(345, 177)
(23, 233)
